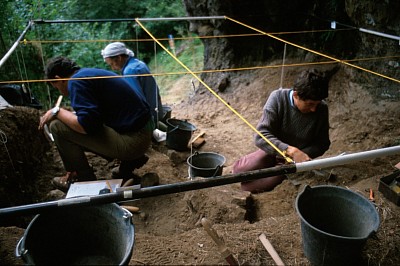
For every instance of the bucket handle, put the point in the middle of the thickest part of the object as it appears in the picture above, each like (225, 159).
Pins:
(127, 216)
(172, 130)
(216, 170)
(307, 189)
(19, 250)
(191, 157)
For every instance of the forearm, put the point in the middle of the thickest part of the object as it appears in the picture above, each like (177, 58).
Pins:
(71, 120)
(65, 116)
(267, 147)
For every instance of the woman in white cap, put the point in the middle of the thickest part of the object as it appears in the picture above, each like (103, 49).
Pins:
(120, 58)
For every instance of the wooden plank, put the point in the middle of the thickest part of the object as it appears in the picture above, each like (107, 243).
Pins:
(198, 140)
(268, 246)
(201, 134)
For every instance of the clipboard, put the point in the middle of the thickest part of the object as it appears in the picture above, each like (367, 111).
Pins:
(92, 188)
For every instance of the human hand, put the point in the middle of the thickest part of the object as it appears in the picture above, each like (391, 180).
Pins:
(47, 117)
(297, 155)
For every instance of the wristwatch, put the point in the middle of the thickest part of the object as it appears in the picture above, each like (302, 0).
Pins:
(55, 111)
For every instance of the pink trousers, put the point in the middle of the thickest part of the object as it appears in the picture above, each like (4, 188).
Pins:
(254, 161)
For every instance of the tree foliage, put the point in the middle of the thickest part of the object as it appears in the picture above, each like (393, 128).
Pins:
(81, 41)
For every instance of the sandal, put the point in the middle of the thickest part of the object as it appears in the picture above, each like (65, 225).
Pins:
(63, 182)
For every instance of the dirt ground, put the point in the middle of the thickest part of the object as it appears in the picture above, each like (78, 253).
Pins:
(168, 228)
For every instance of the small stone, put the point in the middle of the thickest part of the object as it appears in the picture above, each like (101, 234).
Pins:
(55, 194)
(177, 157)
(143, 216)
(149, 180)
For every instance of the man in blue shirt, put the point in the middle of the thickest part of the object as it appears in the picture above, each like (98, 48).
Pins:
(109, 119)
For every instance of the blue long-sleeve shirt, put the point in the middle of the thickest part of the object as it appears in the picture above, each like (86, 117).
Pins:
(109, 101)
(147, 83)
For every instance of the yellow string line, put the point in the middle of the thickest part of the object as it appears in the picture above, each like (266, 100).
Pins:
(315, 52)
(204, 71)
(177, 38)
(288, 159)
(171, 73)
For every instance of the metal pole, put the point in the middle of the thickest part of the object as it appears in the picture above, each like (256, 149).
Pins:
(7, 55)
(181, 18)
(381, 34)
(346, 159)
(42, 21)
(149, 191)
(199, 183)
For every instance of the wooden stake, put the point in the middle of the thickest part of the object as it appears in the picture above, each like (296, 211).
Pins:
(268, 246)
(131, 208)
(225, 252)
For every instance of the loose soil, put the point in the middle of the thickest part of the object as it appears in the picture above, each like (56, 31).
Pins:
(168, 228)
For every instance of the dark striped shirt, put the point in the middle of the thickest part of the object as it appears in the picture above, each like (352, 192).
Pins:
(283, 124)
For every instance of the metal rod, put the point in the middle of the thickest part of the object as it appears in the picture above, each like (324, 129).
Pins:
(149, 191)
(181, 18)
(381, 34)
(43, 21)
(199, 183)
(346, 159)
(7, 55)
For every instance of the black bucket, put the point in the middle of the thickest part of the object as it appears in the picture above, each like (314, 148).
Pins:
(90, 235)
(205, 164)
(178, 134)
(335, 224)
(167, 110)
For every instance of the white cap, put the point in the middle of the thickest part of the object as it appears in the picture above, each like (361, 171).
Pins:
(114, 49)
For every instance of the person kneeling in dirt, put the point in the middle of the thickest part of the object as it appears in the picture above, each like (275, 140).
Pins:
(109, 119)
(120, 58)
(295, 121)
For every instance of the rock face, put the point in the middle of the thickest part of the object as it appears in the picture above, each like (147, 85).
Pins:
(283, 16)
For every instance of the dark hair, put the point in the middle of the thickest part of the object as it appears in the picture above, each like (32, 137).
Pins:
(60, 66)
(311, 85)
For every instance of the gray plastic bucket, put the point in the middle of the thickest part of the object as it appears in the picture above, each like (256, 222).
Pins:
(205, 164)
(335, 224)
(90, 235)
(178, 134)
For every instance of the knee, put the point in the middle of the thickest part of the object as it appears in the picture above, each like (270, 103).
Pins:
(236, 167)
(254, 161)
(59, 129)
(263, 184)
(251, 187)
(55, 126)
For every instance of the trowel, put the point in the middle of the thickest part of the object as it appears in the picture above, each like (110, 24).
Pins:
(47, 132)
